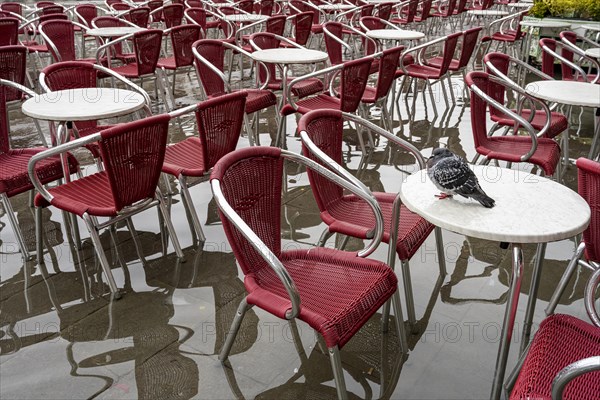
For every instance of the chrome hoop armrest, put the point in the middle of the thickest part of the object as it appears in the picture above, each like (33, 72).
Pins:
(420, 48)
(567, 62)
(590, 290)
(366, 195)
(126, 81)
(107, 46)
(288, 91)
(249, 56)
(214, 69)
(361, 34)
(260, 247)
(26, 90)
(55, 151)
(571, 372)
(239, 32)
(338, 40)
(520, 120)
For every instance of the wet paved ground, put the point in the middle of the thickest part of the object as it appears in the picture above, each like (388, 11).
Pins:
(61, 337)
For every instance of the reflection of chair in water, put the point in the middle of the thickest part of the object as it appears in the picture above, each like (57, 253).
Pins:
(217, 270)
(161, 370)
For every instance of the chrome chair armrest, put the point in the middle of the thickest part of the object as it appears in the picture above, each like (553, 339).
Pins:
(14, 85)
(419, 49)
(321, 72)
(214, 69)
(105, 47)
(589, 296)
(571, 372)
(260, 247)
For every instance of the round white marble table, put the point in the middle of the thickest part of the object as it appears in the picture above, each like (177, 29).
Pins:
(394, 34)
(244, 17)
(115, 31)
(520, 5)
(594, 52)
(570, 93)
(285, 57)
(529, 209)
(488, 13)
(336, 7)
(382, 1)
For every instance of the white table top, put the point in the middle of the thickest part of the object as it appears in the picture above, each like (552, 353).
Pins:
(113, 31)
(244, 17)
(520, 5)
(594, 52)
(382, 1)
(566, 92)
(394, 34)
(529, 208)
(83, 104)
(591, 27)
(490, 13)
(289, 56)
(546, 24)
(336, 7)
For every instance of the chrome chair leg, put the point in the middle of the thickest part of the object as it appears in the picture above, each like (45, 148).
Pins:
(169, 224)
(400, 321)
(189, 205)
(565, 278)
(15, 225)
(39, 232)
(235, 327)
(338, 372)
(439, 242)
(101, 256)
(408, 294)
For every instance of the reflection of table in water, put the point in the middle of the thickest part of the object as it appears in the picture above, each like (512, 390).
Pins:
(547, 211)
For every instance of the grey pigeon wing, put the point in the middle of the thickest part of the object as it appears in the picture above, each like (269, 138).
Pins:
(454, 175)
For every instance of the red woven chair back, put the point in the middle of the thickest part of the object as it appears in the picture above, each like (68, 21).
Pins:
(133, 155)
(411, 11)
(87, 12)
(154, 5)
(366, 10)
(219, 121)
(245, 5)
(354, 77)
(275, 24)
(265, 40)
(264, 7)
(384, 11)
(325, 129)
(469, 43)
(449, 47)
(372, 23)
(121, 6)
(13, 62)
(388, 64)
(147, 46)
(13, 7)
(547, 58)
(62, 35)
(173, 15)
(334, 48)
(54, 9)
(72, 75)
(214, 52)
(479, 105)
(197, 15)
(4, 139)
(182, 39)
(302, 27)
(502, 62)
(42, 4)
(139, 16)
(195, 4)
(252, 186)
(450, 6)
(588, 186)
(53, 17)
(461, 6)
(106, 21)
(111, 3)
(9, 31)
(567, 53)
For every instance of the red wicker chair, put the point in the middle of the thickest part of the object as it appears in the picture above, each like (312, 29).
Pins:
(571, 49)
(264, 7)
(550, 53)
(506, 31)
(296, 283)
(406, 12)
(302, 23)
(182, 38)
(321, 132)
(589, 249)
(563, 361)
(132, 155)
(14, 178)
(219, 123)
(59, 36)
(78, 75)
(535, 149)
(138, 16)
(173, 15)
(210, 59)
(199, 16)
(429, 73)
(9, 31)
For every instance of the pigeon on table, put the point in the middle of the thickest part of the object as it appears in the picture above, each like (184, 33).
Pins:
(452, 175)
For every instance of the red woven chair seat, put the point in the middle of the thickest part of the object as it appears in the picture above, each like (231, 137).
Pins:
(91, 194)
(420, 71)
(352, 216)
(509, 36)
(314, 103)
(558, 122)
(167, 63)
(437, 63)
(511, 148)
(561, 340)
(317, 28)
(259, 99)
(185, 158)
(302, 89)
(14, 178)
(336, 299)
(40, 48)
(127, 70)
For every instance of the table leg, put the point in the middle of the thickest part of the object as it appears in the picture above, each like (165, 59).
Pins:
(533, 290)
(509, 321)
(62, 134)
(280, 139)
